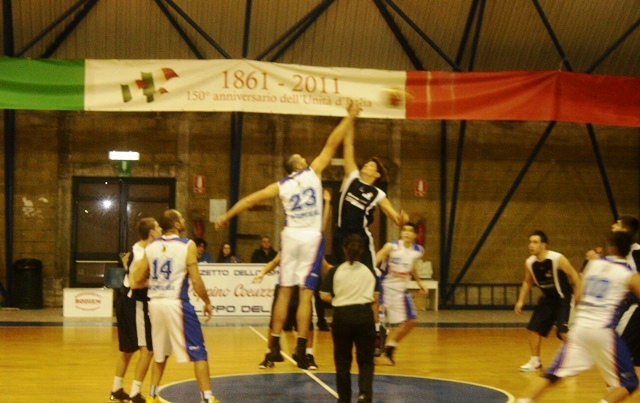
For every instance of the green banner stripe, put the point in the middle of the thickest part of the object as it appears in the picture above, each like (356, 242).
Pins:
(41, 84)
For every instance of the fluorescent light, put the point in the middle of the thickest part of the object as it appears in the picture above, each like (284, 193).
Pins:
(124, 155)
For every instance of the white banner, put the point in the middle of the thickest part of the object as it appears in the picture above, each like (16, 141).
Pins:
(241, 85)
(231, 291)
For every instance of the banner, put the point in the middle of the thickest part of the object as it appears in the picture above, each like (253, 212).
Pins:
(231, 291)
(262, 87)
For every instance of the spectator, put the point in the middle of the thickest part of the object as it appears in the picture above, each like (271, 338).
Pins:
(203, 255)
(226, 255)
(265, 253)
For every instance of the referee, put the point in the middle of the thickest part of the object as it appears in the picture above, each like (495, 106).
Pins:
(351, 288)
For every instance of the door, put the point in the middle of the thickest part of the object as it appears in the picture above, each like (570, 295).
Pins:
(105, 214)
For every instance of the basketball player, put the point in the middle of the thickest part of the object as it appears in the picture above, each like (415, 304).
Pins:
(302, 244)
(555, 277)
(170, 263)
(293, 302)
(132, 315)
(629, 326)
(398, 260)
(592, 339)
(358, 198)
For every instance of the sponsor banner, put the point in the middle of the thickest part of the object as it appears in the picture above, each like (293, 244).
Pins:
(87, 302)
(231, 291)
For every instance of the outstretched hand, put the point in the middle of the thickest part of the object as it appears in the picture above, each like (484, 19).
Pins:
(404, 217)
(353, 109)
(221, 222)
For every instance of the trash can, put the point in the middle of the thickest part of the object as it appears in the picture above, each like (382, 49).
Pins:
(27, 284)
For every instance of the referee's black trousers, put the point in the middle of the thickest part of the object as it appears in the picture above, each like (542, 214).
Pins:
(353, 324)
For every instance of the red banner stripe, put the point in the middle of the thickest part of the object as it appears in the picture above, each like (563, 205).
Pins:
(522, 95)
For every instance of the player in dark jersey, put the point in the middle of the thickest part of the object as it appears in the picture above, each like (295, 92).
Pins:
(629, 326)
(358, 198)
(558, 280)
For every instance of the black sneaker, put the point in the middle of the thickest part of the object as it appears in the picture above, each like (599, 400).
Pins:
(137, 399)
(275, 356)
(119, 396)
(301, 359)
(312, 363)
(266, 363)
(388, 354)
(323, 326)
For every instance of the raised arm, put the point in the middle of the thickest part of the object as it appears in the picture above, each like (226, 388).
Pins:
(400, 218)
(247, 202)
(335, 139)
(348, 152)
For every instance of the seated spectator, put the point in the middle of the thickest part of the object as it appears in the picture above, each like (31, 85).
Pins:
(226, 255)
(265, 253)
(203, 255)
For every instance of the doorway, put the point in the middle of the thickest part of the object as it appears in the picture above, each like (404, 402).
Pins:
(105, 213)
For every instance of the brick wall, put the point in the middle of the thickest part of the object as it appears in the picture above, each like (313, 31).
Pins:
(561, 194)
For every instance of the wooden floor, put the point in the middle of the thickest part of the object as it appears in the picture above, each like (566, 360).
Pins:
(74, 361)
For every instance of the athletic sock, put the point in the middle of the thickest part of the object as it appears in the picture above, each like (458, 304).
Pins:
(117, 383)
(309, 350)
(135, 388)
(206, 396)
(153, 389)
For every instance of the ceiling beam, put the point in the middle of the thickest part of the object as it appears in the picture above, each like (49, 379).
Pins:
(617, 43)
(408, 50)
(198, 29)
(424, 36)
(552, 34)
(179, 29)
(77, 19)
(297, 27)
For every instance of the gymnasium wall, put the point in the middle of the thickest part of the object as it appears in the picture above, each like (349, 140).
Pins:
(562, 193)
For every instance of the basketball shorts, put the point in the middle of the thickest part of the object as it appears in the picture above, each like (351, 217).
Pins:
(398, 305)
(603, 348)
(549, 312)
(134, 325)
(176, 329)
(301, 253)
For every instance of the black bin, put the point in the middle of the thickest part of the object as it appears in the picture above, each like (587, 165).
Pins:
(27, 284)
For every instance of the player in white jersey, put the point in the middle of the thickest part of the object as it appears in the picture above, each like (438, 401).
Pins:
(398, 267)
(592, 339)
(170, 263)
(302, 244)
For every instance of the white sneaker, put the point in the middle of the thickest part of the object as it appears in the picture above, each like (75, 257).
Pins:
(531, 366)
